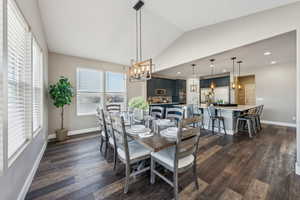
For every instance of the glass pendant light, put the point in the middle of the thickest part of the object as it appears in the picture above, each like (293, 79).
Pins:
(239, 85)
(193, 87)
(212, 66)
(233, 84)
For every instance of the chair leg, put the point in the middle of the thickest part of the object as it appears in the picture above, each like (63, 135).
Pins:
(223, 122)
(106, 147)
(152, 175)
(213, 126)
(219, 123)
(195, 175)
(101, 143)
(249, 128)
(237, 125)
(115, 159)
(127, 179)
(176, 186)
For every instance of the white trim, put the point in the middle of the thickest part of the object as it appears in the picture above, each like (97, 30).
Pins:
(30, 177)
(76, 132)
(278, 123)
(297, 168)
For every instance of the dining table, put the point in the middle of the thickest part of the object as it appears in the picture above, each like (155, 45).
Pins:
(154, 141)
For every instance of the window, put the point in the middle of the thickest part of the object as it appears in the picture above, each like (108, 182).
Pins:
(89, 91)
(115, 92)
(19, 79)
(37, 66)
(94, 89)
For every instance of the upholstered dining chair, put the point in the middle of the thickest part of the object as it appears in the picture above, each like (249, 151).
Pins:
(105, 138)
(181, 157)
(113, 108)
(175, 114)
(129, 153)
(157, 111)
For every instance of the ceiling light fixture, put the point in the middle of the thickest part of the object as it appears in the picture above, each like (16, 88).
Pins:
(239, 85)
(212, 66)
(140, 69)
(193, 87)
(273, 62)
(267, 53)
(233, 84)
(178, 73)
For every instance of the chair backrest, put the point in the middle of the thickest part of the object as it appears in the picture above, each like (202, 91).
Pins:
(190, 110)
(157, 111)
(187, 139)
(120, 135)
(175, 113)
(102, 122)
(212, 111)
(113, 108)
(261, 107)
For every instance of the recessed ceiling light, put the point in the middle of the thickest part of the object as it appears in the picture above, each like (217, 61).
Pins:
(224, 70)
(273, 62)
(267, 53)
(178, 73)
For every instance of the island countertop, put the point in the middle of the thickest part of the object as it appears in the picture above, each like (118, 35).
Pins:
(239, 108)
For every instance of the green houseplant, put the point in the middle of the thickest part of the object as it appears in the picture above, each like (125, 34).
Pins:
(61, 93)
(139, 107)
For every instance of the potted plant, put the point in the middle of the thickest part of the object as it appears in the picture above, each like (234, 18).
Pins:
(139, 106)
(61, 93)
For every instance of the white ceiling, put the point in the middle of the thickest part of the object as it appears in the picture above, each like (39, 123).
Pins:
(282, 48)
(105, 29)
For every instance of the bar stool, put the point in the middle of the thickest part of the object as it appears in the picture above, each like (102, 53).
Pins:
(249, 120)
(213, 116)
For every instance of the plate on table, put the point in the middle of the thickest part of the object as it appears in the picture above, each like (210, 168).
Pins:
(170, 132)
(137, 129)
(146, 134)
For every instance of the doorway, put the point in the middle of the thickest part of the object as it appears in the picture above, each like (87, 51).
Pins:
(245, 95)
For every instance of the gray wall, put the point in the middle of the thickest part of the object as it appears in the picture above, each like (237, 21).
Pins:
(64, 65)
(276, 89)
(13, 179)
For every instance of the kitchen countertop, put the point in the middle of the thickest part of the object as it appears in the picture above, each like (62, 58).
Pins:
(157, 104)
(233, 108)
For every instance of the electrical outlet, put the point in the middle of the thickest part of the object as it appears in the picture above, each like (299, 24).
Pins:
(294, 118)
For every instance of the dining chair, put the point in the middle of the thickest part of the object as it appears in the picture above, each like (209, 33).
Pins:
(179, 158)
(175, 113)
(129, 153)
(113, 108)
(157, 111)
(105, 138)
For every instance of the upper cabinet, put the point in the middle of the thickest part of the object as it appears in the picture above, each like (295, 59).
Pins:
(219, 82)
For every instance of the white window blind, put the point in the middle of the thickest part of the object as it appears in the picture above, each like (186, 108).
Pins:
(19, 79)
(89, 91)
(1, 86)
(37, 66)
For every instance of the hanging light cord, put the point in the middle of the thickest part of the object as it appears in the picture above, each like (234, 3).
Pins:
(137, 41)
(141, 34)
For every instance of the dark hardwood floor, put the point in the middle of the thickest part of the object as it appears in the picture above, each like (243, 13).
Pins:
(229, 168)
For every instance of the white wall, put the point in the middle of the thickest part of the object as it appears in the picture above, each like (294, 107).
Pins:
(276, 90)
(12, 182)
(64, 65)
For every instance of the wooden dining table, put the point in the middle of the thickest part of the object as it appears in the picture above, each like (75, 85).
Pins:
(155, 143)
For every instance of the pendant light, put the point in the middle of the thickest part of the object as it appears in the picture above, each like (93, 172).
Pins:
(239, 62)
(140, 69)
(233, 84)
(212, 67)
(193, 87)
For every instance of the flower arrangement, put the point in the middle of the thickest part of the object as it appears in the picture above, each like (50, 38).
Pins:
(139, 103)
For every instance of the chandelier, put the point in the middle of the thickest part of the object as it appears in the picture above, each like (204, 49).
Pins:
(140, 70)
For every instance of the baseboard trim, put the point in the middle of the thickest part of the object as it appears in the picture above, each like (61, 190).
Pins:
(297, 168)
(76, 132)
(30, 177)
(278, 123)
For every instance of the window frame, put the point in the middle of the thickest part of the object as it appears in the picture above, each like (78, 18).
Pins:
(104, 93)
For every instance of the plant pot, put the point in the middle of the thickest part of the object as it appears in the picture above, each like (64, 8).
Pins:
(61, 134)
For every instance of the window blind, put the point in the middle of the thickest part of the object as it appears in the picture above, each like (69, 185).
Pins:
(1, 85)
(19, 79)
(37, 64)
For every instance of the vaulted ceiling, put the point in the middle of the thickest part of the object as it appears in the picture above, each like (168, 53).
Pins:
(105, 29)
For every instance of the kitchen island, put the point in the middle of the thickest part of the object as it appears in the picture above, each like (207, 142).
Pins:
(230, 114)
